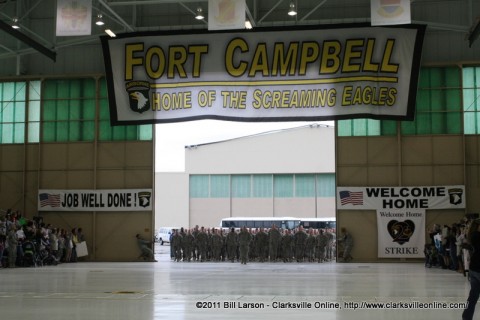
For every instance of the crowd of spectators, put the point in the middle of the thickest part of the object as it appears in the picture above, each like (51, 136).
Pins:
(274, 244)
(448, 247)
(26, 243)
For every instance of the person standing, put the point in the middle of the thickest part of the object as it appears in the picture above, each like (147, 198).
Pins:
(261, 245)
(347, 240)
(244, 239)
(202, 242)
(287, 240)
(188, 244)
(12, 242)
(176, 244)
(274, 238)
(231, 245)
(321, 244)
(217, 243)
(300, 238)
(474, 270)
(310, 246)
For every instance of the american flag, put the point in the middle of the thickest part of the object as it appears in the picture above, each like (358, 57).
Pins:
(47, 199)
(351, 197)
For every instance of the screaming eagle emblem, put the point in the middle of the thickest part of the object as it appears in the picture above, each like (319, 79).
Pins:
(138, 95)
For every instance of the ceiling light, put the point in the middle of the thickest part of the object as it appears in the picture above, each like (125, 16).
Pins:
(110, 33)
(199, 15)
(248, 24)
(15, 24)
(292, 11)
(99, 21)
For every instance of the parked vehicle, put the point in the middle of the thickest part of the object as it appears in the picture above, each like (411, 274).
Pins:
(163, 234)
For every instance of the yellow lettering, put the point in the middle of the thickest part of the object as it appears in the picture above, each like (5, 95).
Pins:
(157, 54)
(130, 60)
(387, 55)
(330, 57)
(310, 52)
(177, 56)
(197, 52)
(283, 63)
(259, 61)
(240, 69)
(368, 65)
(352, 52)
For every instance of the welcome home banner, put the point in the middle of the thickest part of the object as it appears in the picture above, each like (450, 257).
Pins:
(422, 197)
(95, 200)
(401, 213)
(276, 74)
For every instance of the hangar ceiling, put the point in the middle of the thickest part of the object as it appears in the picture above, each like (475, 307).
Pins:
(36, 18)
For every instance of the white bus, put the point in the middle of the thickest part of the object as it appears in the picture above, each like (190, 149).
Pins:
(280, 222)
(319, 223)
(260, 222)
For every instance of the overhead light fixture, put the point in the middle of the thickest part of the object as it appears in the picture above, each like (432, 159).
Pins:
(110, 33)
(248, 24)
(199, 15)
(15, 24)
(292, 11)
(99, 21)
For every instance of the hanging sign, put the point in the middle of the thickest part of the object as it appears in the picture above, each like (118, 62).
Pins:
(95, 200)
(297, 74)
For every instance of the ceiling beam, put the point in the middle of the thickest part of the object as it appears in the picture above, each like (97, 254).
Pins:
(27, 40)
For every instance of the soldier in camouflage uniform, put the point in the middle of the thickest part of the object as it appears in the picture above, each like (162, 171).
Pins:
(274, 237)
(310, 246)
(300, 238)
(261, 245)
(347, 240)
(287, 241)
(251, 250)
(202, 242)
(330, 245)
(244, 238)
(183, 234)
(232, 245)
(321, 245)
(176, 243)
(195, 243)
(217, 243)
(188, 244)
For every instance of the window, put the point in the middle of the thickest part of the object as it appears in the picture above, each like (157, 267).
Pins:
(283, 185)
(219, 186)
(68, 110)
(304, 185)
(471, 102)
(241, 186)
(199, 186)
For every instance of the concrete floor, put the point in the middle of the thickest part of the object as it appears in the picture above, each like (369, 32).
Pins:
(180, 290)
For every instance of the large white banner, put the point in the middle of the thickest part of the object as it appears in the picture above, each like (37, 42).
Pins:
(74, 17)
(276, 74)
(401, 213)
(422, 197)
(95, 200)
(226, 14)
(401, 233)
(389, 12)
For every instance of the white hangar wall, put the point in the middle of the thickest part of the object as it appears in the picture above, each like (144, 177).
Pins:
(304, 152)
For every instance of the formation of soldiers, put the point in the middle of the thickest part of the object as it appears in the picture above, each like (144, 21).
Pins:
(262, 245)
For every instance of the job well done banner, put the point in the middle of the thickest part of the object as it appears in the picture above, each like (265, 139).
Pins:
(95, 200)
(310, 73)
